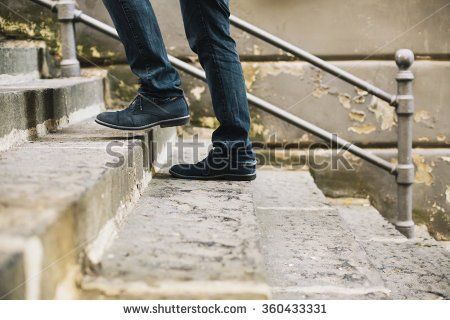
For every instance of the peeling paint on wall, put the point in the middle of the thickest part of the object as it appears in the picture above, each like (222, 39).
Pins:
(257, 129)
(357, 115)
(353, 159)
(197, 92)
(441, 137)
(256, 50)
(423, 116)
(320, 89)
(46, 30)
(438, 208)
(94, 52)
(361, 92)
(363, 129)
(28, 29)
(360, 97)
(283, 67)
(423, 171)
(305, 138)
(251, 71)
(345, 100)
(384, 113)
(80, 49)
(209, 122)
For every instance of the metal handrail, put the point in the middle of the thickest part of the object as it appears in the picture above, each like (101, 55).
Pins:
(404, 170)
(262, 104)
(326, 66)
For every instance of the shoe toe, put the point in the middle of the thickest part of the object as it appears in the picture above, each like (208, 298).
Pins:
(178, 169)
(108, 117)
(185, 170)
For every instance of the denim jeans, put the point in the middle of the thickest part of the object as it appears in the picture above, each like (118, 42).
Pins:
(207, 28)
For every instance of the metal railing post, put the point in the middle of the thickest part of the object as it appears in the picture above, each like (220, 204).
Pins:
(70, 66)
(405, 170)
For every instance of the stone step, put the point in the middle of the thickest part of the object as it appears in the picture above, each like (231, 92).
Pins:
(62, 198)
(32, 109)
(21, 61)
(411, 269)
(184, 240)
(309, 251)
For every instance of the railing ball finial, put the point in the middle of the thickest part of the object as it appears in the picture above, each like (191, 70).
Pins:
(404, 58)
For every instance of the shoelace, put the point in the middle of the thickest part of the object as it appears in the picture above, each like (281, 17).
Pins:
(132, 105)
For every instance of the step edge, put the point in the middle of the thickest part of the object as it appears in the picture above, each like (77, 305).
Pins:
(335, 290)
(116, 288)
(16, 136)
(19, 78)
(51, 83)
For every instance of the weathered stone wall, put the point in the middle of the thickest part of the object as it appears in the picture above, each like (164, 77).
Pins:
(360, 36)
(331, 29)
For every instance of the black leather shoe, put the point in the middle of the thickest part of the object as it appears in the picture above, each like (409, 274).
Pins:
(215, 167)
(145, 113)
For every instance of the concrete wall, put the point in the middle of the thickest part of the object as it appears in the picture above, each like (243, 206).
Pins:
(328, 28)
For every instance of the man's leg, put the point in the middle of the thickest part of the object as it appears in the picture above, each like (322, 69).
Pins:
(207, 28)
(139, 32)
(160, 100)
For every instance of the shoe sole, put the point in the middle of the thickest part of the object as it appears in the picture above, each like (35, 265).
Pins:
(163, 124)
(228, 177)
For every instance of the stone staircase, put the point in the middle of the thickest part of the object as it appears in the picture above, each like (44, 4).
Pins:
(185, 239)
(277, 237)
(74, 223)
(61, 194)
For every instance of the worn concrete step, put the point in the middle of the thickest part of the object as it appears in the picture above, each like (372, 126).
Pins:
(184, 239)
(31, 109)
(308, 250)
(19, 62)
(61, 199)
(411, 269)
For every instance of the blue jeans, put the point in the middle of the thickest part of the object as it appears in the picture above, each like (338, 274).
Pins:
(207, 28)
